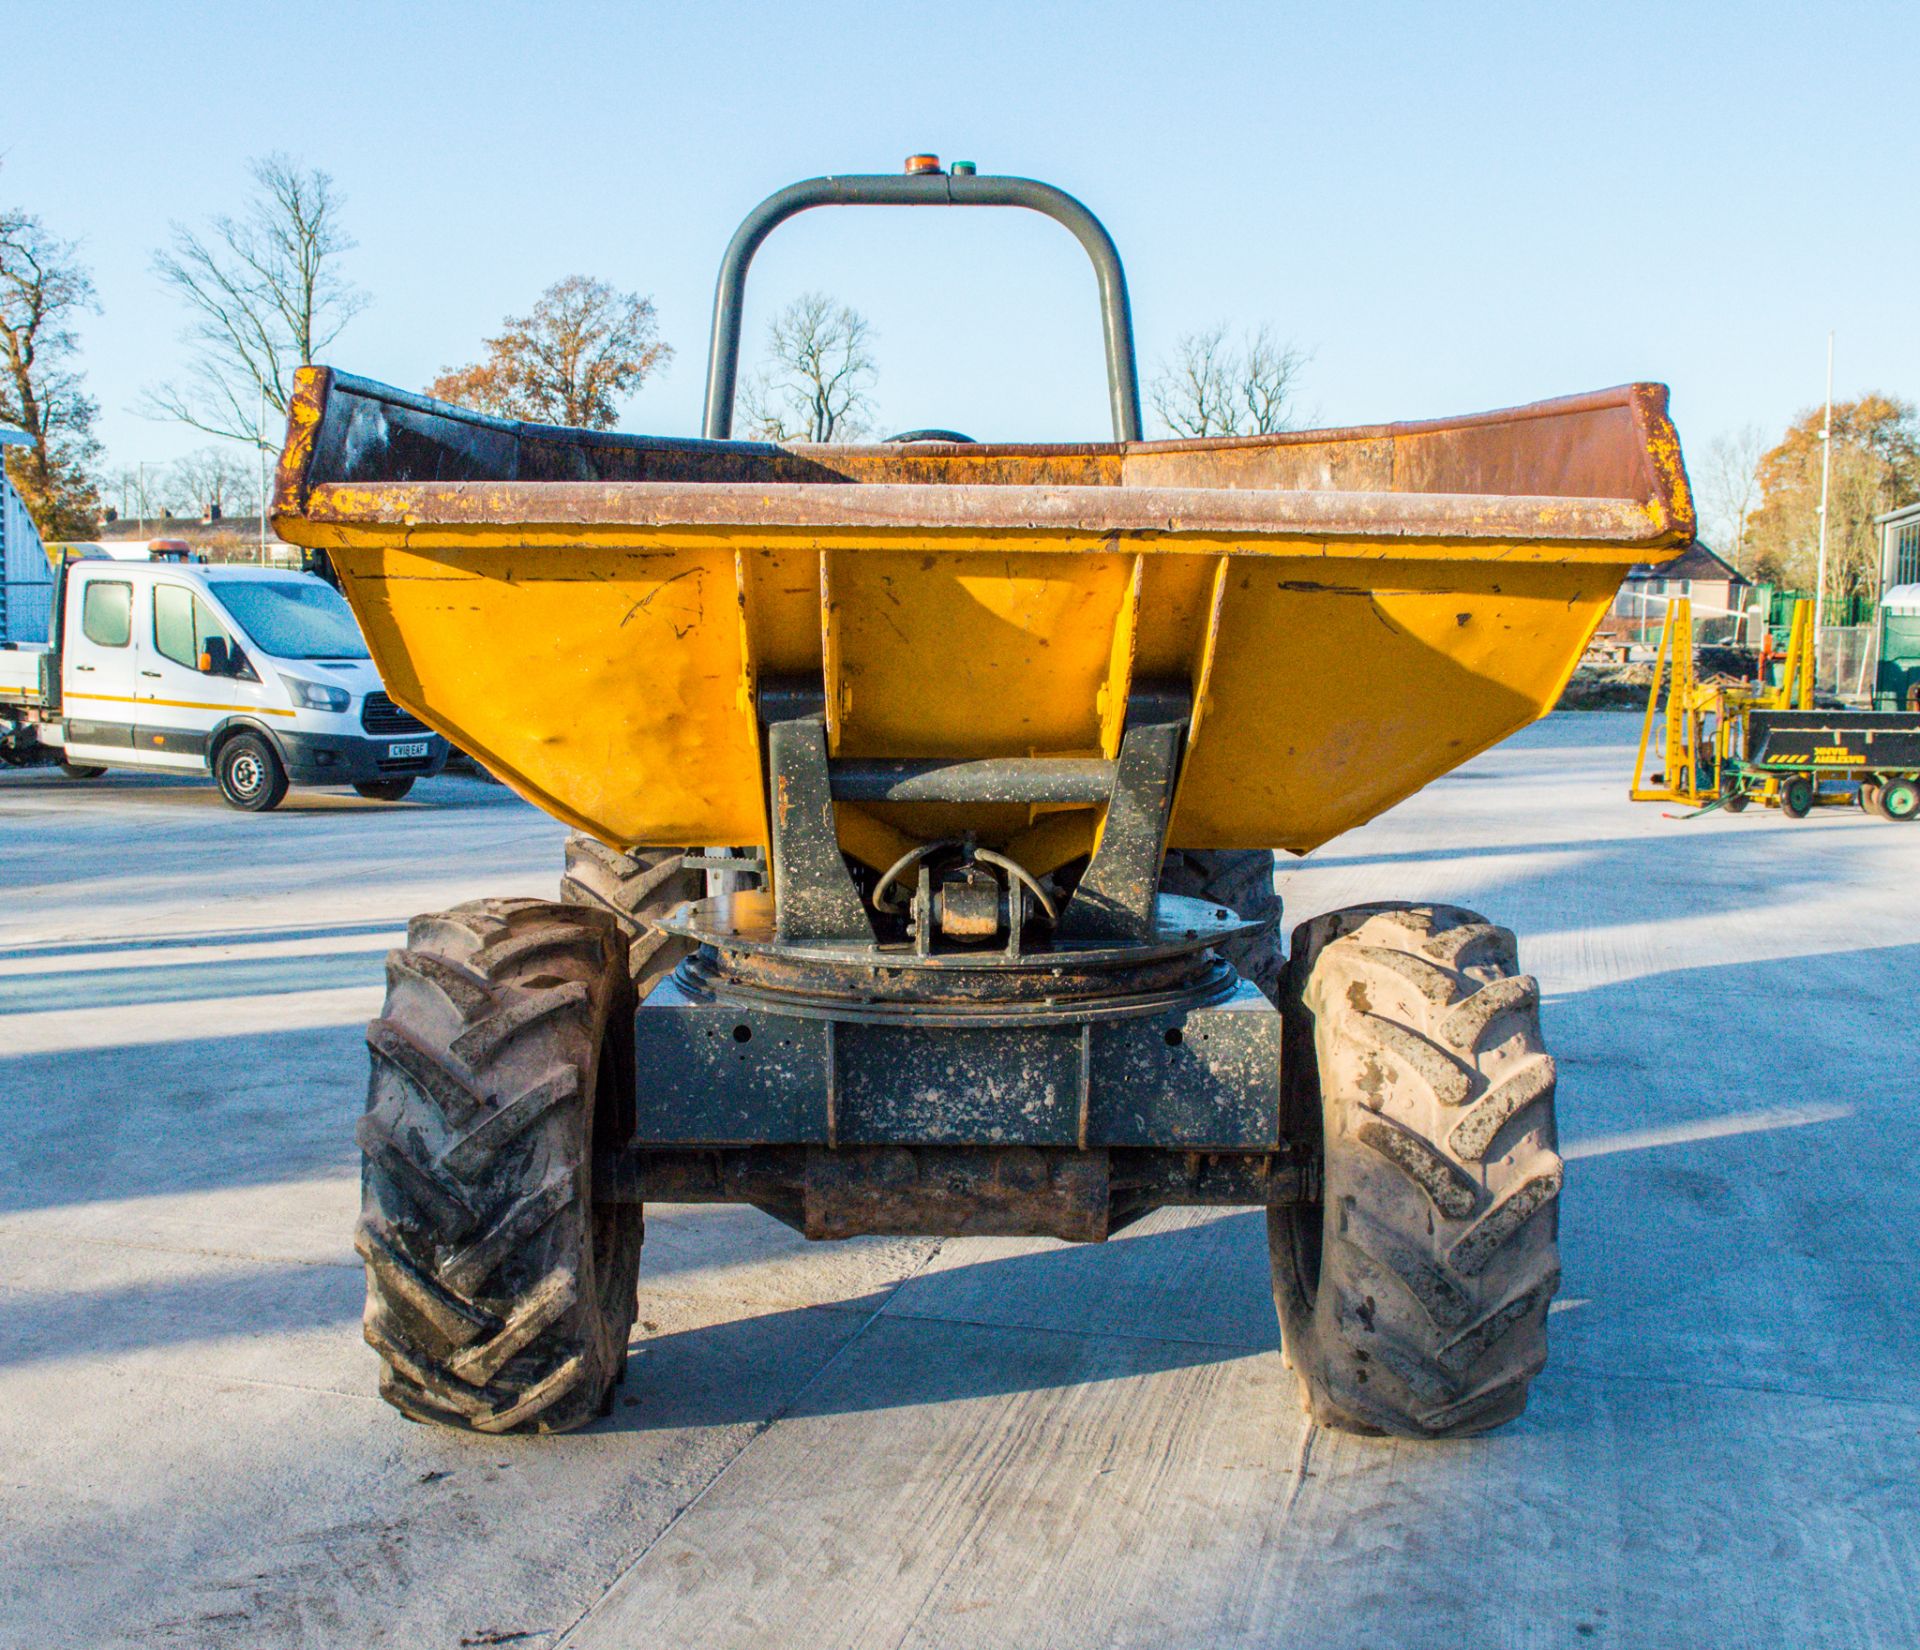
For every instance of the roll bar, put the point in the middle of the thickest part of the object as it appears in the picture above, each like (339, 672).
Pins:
(922, 186)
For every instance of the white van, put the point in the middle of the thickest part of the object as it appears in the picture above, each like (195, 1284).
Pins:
(257, 675)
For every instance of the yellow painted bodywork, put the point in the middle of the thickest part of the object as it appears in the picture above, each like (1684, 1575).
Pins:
(613, 682)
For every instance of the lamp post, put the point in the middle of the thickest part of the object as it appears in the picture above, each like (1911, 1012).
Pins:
(1826, 479)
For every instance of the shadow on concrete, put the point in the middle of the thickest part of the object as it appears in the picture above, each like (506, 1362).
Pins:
(713, 1375)
(237, 1303)
(187, 982)
(194, 793)
(1596, 884)
(1486, 850)
(261, 934)
(710, 1377)
(166, 1118)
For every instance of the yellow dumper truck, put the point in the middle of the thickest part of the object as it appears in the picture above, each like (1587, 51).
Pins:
(925, 796)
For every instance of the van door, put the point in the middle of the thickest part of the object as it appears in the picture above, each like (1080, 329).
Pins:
(100, 684)
(181, 704)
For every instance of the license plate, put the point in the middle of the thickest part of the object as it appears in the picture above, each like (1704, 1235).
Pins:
(413, 747)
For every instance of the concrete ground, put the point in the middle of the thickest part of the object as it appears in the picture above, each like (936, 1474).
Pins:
(970, 1443)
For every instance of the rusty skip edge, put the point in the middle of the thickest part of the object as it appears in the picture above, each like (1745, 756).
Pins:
(313, 512)
(1122, 514)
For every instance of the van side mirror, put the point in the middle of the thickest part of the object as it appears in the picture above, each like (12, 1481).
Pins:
(215, 658)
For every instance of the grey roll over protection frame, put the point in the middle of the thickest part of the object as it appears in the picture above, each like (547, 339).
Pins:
(922, 189)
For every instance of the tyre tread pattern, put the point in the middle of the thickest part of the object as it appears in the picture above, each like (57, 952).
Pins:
(1438, 1258)
(497, 1296)
(635, 888)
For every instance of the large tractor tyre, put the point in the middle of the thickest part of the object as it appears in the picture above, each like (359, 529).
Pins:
(1413, 1290)
(500, 1290)
(1241, 879)
(634, 888)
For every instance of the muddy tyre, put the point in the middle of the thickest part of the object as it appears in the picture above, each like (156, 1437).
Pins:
(633, 888)
(1242, 881)
(1413, 1292)
(500, 1292)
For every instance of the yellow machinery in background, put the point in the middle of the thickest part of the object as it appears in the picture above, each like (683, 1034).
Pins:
(1703, 724)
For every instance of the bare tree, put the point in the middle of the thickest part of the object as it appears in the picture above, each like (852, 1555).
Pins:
(43, 286)
(1729, 484)
(819, 367)
(213, 481)
(583, 350)
(1212, 386)
(266, 296)
(135, 490)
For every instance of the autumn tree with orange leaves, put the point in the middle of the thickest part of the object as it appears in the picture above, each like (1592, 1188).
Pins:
(1876, 468)
(583, 349)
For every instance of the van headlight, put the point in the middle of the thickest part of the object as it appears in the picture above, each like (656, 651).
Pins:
(317, 695)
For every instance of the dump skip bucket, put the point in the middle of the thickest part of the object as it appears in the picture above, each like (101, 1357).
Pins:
(1354, 611)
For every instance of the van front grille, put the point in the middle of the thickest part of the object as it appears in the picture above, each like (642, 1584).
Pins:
(380, 715)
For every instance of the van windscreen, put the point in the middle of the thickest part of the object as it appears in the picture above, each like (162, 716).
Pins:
(292, 618)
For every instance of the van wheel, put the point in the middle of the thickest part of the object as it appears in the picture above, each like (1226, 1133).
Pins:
(82, 770)
(385, 790)
(1413, 1288)
(250, 773)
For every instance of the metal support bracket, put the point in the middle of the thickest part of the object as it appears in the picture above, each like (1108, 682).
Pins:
(1115, 899)
(815, 900)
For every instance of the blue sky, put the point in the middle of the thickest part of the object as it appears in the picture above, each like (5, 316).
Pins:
(1452, 206)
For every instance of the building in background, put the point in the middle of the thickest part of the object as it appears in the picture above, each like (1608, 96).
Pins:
(1900, 548)
(1718, 592)
(1897, 670)
(1697, 573)
(26, 581)
(222, 539)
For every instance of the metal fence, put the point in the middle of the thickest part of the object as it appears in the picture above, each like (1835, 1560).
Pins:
(1847, 654)
(1639, 615)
